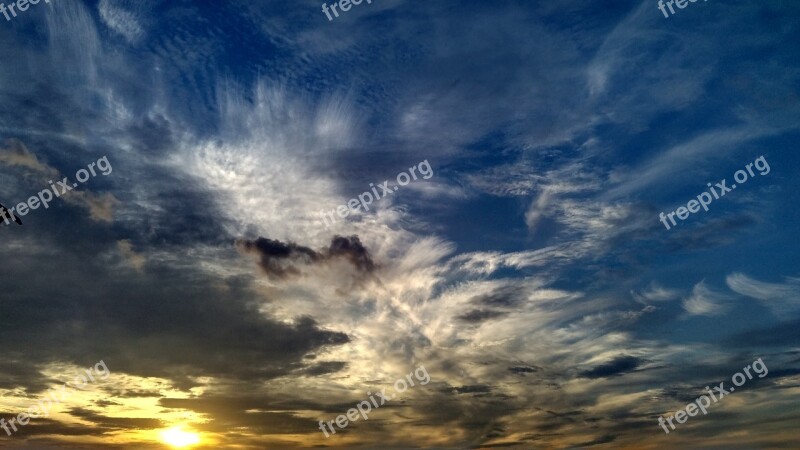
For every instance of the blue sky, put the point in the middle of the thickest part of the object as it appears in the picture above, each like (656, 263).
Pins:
(530, 275)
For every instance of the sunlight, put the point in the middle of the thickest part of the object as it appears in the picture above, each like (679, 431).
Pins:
(176, 437)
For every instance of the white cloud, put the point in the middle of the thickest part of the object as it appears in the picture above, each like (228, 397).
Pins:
(120, 20)
(780, 298)
(705, 301)
(654, 293)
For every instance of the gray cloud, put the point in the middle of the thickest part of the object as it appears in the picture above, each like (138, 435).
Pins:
(281, 260)
(618, 366)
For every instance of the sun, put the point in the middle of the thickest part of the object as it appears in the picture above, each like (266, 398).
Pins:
(176, 437)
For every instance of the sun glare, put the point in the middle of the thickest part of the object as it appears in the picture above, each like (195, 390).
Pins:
(176, 437)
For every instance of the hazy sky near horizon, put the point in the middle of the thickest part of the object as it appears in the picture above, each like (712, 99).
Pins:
(529, 275)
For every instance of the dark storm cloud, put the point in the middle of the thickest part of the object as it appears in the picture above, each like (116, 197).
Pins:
(351, 249)
(605, 439)
(505, 296)
(280, 260)
(106, 403)
(134, 393)
(618, 366)
(20, 373)
(130, 423)
(566, 415)
(324, 368)
(519, 370)
(277, 259)
(472, 389)
(170, 322)
(479, 315)
(681, 394)
(500, 445)
(479, 410)
(43, 426)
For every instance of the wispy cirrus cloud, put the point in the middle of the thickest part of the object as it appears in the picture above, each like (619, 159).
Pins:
(780, 298)
(705, 301)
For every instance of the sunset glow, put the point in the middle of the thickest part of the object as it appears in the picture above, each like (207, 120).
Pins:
(178, 438)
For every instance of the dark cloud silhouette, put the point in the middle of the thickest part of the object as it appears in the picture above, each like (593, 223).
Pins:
(325, 368)
(281, 260)
(605, 439)
(202, 328)
(132, 423)
(473, 389)
(14, 373)
(479, 315)
(618, 366)
(505, 296)
(523, 369)
(351, 249)
(42, 426)
(682, 394)
(277, 259)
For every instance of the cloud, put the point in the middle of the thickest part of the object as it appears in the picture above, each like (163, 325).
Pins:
(523, 369)
(479, 315)
(100, 206)
(120, 20)
(535, 211)
(198, 317)
(780, 298)
(473, 389)
(136, 260)
(276, 258)
(704, 301)
(255, 414)
(351, 249)
(605, 439)
(14, 373)
(17, 154)
(281, 260)
(654, 293)
(324, 368)
(506, 295)
(119, 423)
(681, 158)
(618, 366)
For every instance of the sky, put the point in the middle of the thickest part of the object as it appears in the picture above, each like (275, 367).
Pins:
(532, 269)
